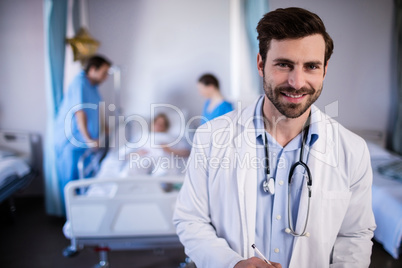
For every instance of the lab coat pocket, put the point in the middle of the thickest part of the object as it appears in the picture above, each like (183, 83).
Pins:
(334, 207)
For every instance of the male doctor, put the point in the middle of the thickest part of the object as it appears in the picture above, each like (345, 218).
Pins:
(78, 123)
(280, 174)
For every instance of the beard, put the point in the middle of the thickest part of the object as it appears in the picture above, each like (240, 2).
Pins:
(288, 109)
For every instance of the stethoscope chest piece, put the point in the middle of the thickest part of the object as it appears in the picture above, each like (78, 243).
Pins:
(269, 186)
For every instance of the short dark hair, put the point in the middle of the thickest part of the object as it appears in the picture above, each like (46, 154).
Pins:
(291, 23)
(96, 61)
(165, 118)
(209, 79)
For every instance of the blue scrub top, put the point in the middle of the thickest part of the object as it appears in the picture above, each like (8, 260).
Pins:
(223, 108)
(81, 95)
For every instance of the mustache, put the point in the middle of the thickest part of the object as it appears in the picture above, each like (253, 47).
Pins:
(293, 91)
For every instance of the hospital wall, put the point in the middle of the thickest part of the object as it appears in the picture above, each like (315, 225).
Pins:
(22, 79)
(162, 47)
(362, 69)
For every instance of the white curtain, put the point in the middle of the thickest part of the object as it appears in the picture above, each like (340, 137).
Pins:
(246, 84)
(77, 16)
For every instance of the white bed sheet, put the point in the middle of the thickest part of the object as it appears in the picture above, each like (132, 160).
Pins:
(156, 163)
(387, 202)
(12, 165)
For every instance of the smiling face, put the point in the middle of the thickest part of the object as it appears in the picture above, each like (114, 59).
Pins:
(293, 74)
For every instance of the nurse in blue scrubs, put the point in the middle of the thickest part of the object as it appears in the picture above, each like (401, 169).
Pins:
(78, 124)
(208, 86)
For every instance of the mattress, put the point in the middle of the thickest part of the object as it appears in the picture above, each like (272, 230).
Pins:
(11, 166)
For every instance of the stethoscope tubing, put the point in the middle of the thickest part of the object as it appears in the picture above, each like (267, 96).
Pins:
(291, 230)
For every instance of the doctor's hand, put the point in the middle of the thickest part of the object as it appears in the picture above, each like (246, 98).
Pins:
(255, 262)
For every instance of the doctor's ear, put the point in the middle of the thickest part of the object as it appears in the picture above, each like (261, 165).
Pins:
(260, 65)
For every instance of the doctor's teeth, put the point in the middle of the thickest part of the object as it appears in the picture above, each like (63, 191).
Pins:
(293, 96)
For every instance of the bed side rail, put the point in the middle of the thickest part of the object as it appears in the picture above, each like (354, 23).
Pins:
(121, 207)
(89, 163)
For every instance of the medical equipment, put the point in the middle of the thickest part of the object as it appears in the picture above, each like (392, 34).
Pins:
(268, 184)
(291, 230)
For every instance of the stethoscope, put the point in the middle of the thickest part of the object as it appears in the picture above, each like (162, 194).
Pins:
(269, 183)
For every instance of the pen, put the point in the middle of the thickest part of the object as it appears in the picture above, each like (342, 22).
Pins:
(260, 254)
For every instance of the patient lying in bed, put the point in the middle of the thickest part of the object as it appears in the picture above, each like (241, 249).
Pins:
(162, 154)
(159, 156)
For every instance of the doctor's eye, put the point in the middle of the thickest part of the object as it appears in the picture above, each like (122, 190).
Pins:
(284, 65)
(312, 66)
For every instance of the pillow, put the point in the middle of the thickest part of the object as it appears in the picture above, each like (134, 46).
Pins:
(6, 153)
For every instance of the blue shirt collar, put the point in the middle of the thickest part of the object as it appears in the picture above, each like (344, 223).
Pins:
(259, 123)
(84, 76)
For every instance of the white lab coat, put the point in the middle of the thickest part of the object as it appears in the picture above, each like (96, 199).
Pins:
(216, 209)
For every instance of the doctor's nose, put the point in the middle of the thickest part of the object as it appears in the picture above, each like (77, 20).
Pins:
(296, 79)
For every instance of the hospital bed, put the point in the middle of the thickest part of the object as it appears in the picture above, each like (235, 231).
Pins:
(17, 164)
(121, 214)
(387, 198)
(110, 212)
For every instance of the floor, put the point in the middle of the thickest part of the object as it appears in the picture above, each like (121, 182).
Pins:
(30, 238)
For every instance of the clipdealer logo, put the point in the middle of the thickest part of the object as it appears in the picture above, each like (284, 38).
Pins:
(218, 138)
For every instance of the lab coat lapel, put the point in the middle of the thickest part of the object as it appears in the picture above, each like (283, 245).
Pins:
(246, 176)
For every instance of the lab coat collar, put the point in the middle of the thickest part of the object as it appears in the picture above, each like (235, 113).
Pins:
(246, 117)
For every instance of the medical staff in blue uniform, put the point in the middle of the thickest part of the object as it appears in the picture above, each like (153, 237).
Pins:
(208, 86)
(78, 124)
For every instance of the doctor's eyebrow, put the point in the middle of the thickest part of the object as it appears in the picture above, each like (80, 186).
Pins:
(290, 62)
(316, 63)
(283, 60)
